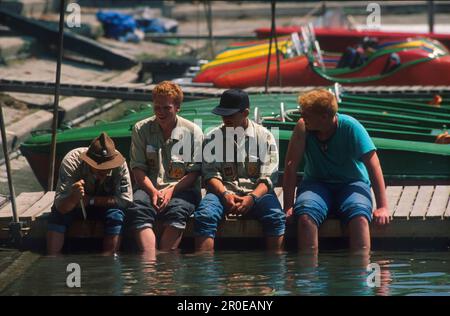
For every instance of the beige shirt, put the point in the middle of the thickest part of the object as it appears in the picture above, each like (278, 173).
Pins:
(166, 162)
(73, 169)
(255, 165)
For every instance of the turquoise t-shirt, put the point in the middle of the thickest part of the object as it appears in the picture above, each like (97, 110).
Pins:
(338, 160)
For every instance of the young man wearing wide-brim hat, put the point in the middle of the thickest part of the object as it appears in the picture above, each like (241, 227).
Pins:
(241, 182)
(94, 181)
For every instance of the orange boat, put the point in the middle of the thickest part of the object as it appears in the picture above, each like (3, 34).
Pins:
(415, 61)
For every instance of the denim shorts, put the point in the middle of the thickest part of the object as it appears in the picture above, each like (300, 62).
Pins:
(112, 218)
(267, 210)
(142, 214)
(346, 200)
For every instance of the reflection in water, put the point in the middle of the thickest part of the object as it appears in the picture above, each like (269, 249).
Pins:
(239, 273)
(246, 279)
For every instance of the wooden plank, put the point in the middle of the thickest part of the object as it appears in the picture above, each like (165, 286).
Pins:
(40, 207)
(422, 201)
(413, 228)
(329, 229)
(447, 212)
(23, 202)
(86, 229)
(3, 200)
(439, 201)
(393, 195)
(332, 228)
(405, 204)
(237, 228)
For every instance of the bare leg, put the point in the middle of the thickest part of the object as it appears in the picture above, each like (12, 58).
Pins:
(307, 235)
(308, 260)
(149, 257)
(171, 238)
(275, 243)
(55, 242)
(146, 240)
(359, 235)
(111, 244)
(204, 244)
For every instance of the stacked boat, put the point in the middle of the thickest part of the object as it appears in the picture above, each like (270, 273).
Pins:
(302, 62)
(338, 38)
(409, 130)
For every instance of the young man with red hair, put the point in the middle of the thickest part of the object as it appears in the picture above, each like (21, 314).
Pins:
(341, 165)
(168, 179)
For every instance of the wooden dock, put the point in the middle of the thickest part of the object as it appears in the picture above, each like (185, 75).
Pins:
(417, 212)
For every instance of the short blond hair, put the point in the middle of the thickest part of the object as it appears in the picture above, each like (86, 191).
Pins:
(170, 90)
(320, 101)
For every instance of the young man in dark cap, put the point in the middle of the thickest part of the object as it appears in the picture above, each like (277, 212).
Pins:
(239, 174)
(93, 182)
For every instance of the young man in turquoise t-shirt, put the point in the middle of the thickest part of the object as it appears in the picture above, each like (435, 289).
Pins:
(341, 164)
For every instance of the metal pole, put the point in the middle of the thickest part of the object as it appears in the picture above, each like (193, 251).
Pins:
(272, 34)
(431, 16)
(15, 226)
(274, 26)
(8, 167)
(324, 8)
(208, 12)
(62, 8)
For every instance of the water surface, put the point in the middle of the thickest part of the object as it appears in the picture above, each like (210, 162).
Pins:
(238, 273)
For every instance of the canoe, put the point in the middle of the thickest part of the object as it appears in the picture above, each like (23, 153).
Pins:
(403, 129)
(414, 61)
(337, 39)
(236, 54)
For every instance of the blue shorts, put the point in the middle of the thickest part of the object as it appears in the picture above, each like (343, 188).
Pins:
(112, 218)
(346, 200)
(267, 210)
(142, 214)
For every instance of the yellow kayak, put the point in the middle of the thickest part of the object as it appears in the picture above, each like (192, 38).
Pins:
(246, 53)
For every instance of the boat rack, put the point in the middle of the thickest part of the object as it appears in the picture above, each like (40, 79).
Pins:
(142, 92)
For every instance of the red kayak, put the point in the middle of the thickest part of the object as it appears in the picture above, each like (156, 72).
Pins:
(337, 39)
(410, 62)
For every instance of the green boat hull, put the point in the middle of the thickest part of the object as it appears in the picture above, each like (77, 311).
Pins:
(403, 131)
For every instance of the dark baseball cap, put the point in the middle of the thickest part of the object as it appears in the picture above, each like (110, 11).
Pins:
(231, 102)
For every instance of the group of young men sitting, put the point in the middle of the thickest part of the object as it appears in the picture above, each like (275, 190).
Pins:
(237, 163)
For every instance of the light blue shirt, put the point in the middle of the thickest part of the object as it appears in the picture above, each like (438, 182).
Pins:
(338, 160)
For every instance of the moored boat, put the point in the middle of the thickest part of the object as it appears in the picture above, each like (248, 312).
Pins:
(337, 39)
(412, 61)
(404, 131)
